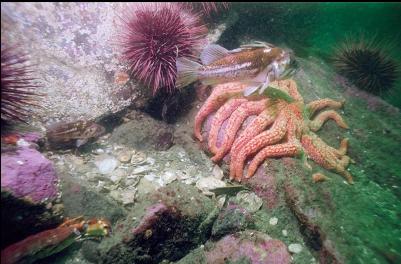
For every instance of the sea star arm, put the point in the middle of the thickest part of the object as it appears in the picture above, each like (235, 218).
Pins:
(220, 94)
(342, 150)
(320, 152)
(322, 117)
(268, 137)
(289, 149)
(222, 114)
(235, 122)
(292, 89)
(260, 123)
(323, 103)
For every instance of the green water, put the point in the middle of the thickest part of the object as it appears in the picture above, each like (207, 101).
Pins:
(366, 222)
(316, 28)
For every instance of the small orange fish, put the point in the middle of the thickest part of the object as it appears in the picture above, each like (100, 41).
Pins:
(257, 64)
(10, 139)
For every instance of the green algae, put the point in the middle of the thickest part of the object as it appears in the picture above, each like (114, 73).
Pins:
(362, 220)
(316, 29)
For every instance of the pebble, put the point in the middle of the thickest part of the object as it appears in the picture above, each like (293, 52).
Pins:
(117, 175)
(273, 221)
(220, 201)
(99, 151)
(218, 172)
(115, 195)
(124, 156)
(208, 183)
(250, 201)
(128, 197)
(141, 169)
(150, 177)
(137, 158)
(168, 177)
(151, 161)
(106, 164)
(295, 248)
(22, 143)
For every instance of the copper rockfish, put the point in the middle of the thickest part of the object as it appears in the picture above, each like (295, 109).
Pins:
(75, 134)
(255, 64)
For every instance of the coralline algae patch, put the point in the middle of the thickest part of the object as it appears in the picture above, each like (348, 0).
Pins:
(29, 175)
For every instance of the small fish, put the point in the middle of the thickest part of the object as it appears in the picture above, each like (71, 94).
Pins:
(256, 64)
(10, 138)
(74, 133)
(230, 190)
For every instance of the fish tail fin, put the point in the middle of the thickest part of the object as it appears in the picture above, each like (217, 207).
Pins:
(187, 72)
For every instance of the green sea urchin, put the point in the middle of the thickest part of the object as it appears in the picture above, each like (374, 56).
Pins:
(18, 91)
(366, 64)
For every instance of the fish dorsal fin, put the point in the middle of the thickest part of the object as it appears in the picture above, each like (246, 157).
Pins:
(257, 44)
(213, 52)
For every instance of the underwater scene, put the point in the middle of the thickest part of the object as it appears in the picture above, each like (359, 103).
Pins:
(202, 132)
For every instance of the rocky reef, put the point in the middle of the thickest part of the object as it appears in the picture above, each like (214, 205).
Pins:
(166, 200)
(27, 174)
(29, 193)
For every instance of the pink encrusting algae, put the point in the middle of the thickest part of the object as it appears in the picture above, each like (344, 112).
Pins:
(153, 36)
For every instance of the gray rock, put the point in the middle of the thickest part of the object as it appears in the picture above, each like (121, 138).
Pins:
(106, 164)
(295, 248)
(140, 133)
(71, 47)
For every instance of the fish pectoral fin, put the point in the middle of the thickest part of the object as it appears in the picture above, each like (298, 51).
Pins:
(212, 53)
(81, 142)
(187, 71)
(264, 86)
(262, 76)
(251, 89)
(257, 85)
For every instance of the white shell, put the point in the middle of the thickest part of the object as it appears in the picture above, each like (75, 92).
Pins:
(273, 221)
(295, 248)
(141, 169)
(106, 164)
(218, 172)
(208, 183)
(249, 200)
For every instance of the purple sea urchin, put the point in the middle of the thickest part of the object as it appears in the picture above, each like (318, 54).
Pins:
(154, 35)
(18, 92)
(366, 64)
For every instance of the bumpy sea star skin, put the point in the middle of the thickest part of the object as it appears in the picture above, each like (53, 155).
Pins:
(325, 156)
(235, 122)
(222, 114)
(281, 129)
(322, 117)
(268, 137)
(220, 94)
(260, 123)
(323, 103)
